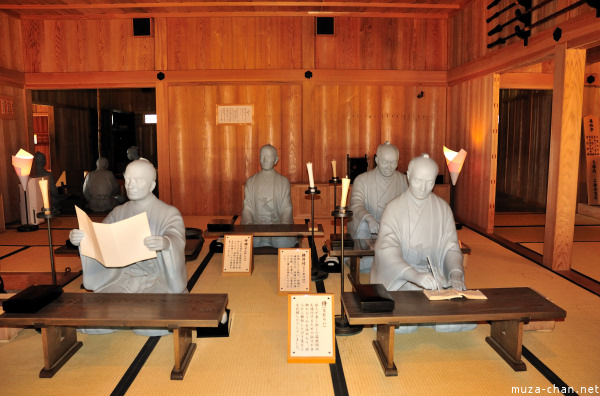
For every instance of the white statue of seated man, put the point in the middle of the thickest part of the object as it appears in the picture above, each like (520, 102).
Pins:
(267, 199)
(164, 274)
(100, 188)
(371, 191)
(414, 226)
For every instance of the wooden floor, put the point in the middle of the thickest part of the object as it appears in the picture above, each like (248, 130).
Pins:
(252, 360)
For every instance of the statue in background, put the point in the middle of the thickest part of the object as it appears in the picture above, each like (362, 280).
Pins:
(267, 199)
(133, 153)
(164, 274)
(414, 226)
(39, 170)
(371, 191)
(101, 188)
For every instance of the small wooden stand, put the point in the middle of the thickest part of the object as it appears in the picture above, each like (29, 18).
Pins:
(237, 255)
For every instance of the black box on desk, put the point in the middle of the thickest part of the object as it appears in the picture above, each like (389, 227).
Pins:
(32, 299)
(374, 298)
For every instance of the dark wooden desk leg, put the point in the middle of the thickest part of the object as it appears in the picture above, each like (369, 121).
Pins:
(184, 350)
(384, 346)
(59, 343)
(506, 337)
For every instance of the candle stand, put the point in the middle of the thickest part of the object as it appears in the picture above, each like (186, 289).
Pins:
(335, 237)
(342, 327)
(315, 273)
(47, 214)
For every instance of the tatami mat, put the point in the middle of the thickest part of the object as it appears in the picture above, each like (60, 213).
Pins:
(37, 259)
(252, 360)
(585, 257)
(589, 233)
(535, 219)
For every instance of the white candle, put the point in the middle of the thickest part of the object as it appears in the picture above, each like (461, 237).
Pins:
(311, 180)
(44, 189)
(333, 167)
(345, 186)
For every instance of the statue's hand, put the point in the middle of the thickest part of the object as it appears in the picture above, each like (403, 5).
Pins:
(373, 224)
(75, 236)
(156, 242)
(426, 281)
(456, 281)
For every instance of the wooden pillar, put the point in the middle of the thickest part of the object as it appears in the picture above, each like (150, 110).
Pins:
(569, 67)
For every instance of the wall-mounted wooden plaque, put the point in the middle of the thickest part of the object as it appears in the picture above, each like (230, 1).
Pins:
(311, 330)
(237, 255)
(294, 268)
(7, 107)
(235, 114)
(592, 155)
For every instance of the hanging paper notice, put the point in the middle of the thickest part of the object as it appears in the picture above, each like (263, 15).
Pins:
(311, 333)
(592, 157)
(237, 255)
(294, 270)
(235, 114)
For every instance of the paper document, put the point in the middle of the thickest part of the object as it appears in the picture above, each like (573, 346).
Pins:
(118, 244)
(449, 294)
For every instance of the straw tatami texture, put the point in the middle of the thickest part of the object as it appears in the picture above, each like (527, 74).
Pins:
(253, 361)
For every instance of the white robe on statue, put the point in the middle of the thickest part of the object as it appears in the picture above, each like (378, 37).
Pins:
(370, 194)
(267, 201)
(409, 232)
(99, 189)
(164, 274)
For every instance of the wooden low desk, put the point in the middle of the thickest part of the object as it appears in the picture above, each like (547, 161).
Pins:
(268, 230)
(365, 247)
(180, 313)
(507, 309)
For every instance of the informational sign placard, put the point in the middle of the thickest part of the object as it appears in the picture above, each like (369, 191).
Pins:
(235, 114)
(311, 330)
(592, 157)
(237, 255)
(294, 270)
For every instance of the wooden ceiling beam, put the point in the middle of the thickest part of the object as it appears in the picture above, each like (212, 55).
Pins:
(201, 4)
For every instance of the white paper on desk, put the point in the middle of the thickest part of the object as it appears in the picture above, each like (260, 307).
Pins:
(117, 244)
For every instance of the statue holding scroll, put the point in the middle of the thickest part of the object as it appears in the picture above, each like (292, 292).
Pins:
(416, 226)
(267, 199)
(164, 274)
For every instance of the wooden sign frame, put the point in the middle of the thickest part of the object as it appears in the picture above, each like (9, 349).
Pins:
(237, 255)
(311, 328)
(592, 157)
(234, 114)
(293, 270)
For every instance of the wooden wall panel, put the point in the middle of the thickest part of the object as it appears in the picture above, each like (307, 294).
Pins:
(384, 44)
(71, 151)
(470, 124)
(356, 119)
(234, 43)
(11, 54)
(63, 45)
(13, 136)
(524, 145)
(213, 161)
(209, 163)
